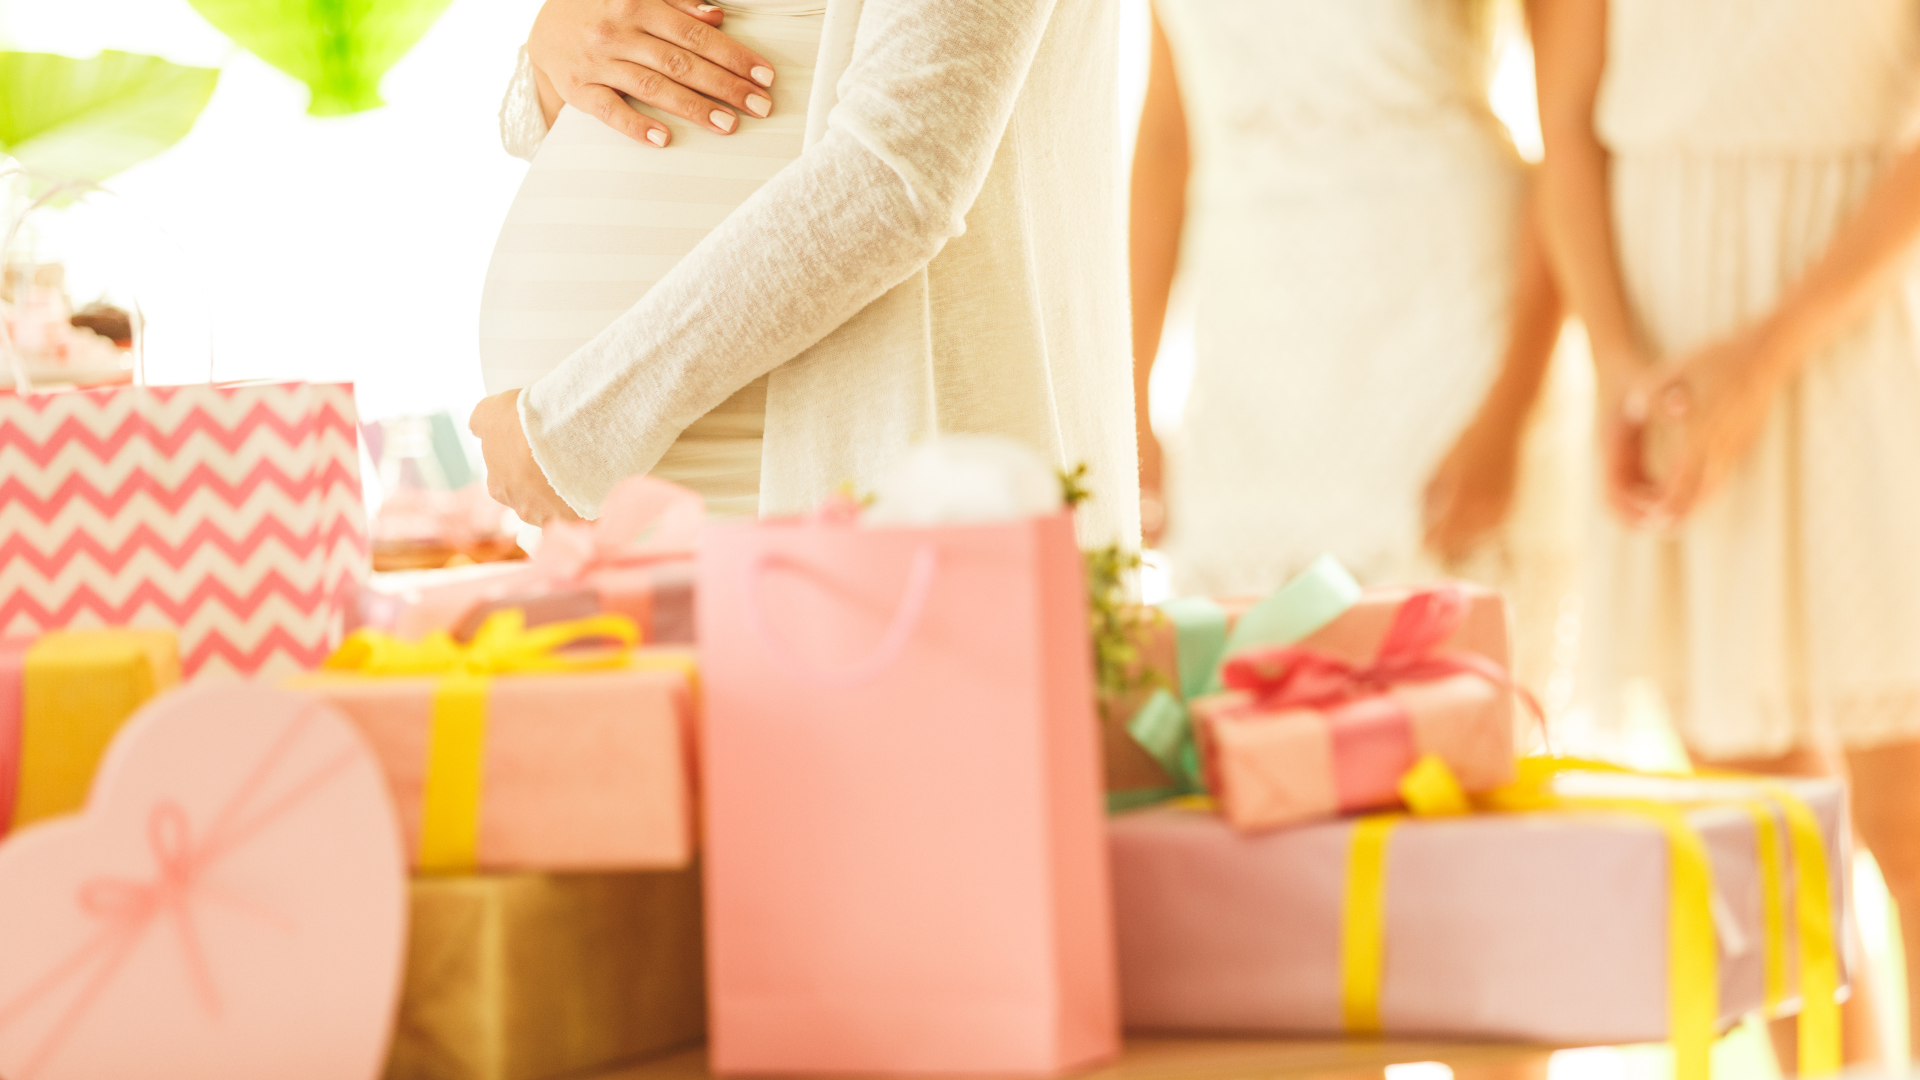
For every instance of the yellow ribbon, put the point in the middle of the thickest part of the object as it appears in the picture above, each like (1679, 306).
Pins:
(1693, 988)
(456, 745)
(1363, 924)
(1819, 960)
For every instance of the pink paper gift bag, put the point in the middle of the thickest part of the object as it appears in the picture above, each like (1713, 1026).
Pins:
(231, 514)
(907, 868)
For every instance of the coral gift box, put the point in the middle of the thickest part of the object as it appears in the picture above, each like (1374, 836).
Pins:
(576, 770)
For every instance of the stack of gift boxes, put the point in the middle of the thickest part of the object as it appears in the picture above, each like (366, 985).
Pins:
(1334, 833)
(1317, 816)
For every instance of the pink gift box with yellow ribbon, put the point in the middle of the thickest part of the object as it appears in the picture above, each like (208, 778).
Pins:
(1559, 925)
(1330, 724)
(504, 755)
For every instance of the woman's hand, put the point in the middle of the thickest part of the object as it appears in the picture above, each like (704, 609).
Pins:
(1471, 491)
(514, 479)
(664, 53)
(1153, 507)
(1627, 485)
(1712, 406)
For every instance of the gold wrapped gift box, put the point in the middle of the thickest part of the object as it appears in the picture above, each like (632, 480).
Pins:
(537, 976)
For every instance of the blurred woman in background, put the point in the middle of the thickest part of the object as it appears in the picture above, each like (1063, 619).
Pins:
(1733, 203)
(1374, 313)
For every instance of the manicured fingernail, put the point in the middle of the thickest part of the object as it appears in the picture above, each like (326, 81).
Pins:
(758, 105)
(657, 137)
(709, 7)
(723, 120)
(762, 75)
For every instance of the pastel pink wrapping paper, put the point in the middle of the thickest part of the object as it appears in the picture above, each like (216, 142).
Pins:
(583, 770)
(1331, 723)
(1268, 769)
(1540, 927)
(635, 560)
(1356, 635)
(230, 905)
(409, 604)
(906, 870)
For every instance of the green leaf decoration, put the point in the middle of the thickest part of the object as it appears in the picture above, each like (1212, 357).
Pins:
(339, 48)
(68, 119)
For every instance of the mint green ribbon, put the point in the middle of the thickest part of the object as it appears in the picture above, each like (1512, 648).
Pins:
(1202, 644)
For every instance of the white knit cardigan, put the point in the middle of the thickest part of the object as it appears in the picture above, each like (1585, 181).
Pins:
(947, 255)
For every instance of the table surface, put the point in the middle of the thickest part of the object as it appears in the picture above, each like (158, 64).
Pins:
(1216, 1059)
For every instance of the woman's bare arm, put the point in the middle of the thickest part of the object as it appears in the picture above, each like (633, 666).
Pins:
(1570, 55)
(1472, 490)
(1158, 210)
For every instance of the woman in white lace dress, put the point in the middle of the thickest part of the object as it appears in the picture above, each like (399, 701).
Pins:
(1370, 304)
(1733, 199)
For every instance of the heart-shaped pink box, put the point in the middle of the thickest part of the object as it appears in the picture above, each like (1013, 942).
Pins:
(230, 905)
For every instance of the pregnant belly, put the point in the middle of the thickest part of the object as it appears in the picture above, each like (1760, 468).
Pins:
(600, 218)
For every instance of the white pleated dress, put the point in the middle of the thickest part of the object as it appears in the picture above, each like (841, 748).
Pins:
(1786, 610)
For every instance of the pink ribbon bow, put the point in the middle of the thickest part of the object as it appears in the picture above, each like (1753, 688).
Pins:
(1294, 676)
(642, 520)
(128, 908)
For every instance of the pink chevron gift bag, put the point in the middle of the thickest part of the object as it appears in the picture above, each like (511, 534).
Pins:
(230, 514)
(906, 870)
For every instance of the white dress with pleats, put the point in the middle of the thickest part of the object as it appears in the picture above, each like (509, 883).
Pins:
(1786, 609)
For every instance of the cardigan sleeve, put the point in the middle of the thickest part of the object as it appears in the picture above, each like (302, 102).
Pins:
(523, 126)
(925, 99)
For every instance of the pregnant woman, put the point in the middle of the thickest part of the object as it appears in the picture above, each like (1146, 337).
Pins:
(771, 306)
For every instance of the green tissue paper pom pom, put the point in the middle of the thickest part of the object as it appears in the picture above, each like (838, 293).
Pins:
(67, 119)
(339, 48)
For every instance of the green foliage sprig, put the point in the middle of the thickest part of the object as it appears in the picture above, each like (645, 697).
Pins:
(1116, 622)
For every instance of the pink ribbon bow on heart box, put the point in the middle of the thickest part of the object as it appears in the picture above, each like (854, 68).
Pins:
(231, 901)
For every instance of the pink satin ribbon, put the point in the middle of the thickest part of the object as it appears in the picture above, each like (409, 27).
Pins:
(1371, 731)
(128, 908)
(642, 520)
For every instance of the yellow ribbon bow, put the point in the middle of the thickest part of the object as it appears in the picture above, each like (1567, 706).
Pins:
(456, 746)
(1693, 988)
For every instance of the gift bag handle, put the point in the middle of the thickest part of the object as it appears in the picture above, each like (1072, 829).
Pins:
(906, 619)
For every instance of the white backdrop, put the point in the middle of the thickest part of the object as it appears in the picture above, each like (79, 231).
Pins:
(345, 247)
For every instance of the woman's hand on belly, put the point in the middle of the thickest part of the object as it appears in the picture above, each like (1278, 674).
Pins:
(670, 54)
(514, 479)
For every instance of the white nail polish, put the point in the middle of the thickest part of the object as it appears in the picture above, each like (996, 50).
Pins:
(657, 137)
(763, 76)
(724, 120)
(758, 105)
